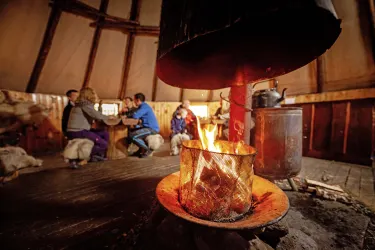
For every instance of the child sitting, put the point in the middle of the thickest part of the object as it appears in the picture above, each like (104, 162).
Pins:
(179, 132)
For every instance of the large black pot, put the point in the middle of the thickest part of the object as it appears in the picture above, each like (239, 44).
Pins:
(212, 44)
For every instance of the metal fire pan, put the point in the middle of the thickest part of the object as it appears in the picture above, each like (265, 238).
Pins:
(270, 204)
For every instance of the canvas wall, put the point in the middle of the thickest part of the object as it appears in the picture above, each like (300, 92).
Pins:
(348, 64)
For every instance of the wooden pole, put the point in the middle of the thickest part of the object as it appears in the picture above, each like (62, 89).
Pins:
(346, 129)
(247, 120)
(94, 45)
(320, 69)
(154, 85)
(210, 96)
(134, 16)
(53, 20)
(182, 94)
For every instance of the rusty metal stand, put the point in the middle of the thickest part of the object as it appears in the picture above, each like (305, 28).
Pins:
(292, 184)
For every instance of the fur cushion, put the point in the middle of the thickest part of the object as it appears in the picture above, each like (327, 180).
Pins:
(154, 141)
(176, 143)
(2, 97)
(15, 158)
(30, 113)
(6, 110)
(78, 149)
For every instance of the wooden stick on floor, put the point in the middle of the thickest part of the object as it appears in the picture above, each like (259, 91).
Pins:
(292, 184)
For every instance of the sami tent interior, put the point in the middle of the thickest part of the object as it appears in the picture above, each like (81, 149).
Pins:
(50, 47)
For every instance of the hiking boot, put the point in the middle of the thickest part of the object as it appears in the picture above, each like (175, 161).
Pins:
(146, 154)
(96, 158)
(73, 165)
(137, 153)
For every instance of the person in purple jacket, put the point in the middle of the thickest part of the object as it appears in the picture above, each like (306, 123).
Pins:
(178, 124)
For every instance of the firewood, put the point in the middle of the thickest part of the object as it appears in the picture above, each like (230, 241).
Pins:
(323, 185)
(311, 189)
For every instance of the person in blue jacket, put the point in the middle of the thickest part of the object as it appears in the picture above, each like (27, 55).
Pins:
(149, 125)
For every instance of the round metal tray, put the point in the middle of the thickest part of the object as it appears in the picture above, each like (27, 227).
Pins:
(270, 204)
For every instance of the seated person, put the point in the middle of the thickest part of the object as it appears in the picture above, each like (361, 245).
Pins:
(82, 117)
(191, 119)
(129, 108)
(72, 97)
(223, 114)
(149, 125)
(178, 124)
(179, 132)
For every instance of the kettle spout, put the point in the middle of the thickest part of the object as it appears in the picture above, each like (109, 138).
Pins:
(282, 96)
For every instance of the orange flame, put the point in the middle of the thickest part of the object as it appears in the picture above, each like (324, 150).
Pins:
(207, 137)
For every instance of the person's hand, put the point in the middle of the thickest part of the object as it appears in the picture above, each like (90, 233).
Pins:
(214, 117)
(125, 109)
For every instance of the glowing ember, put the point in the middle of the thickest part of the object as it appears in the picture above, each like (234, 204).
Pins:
(216, 177)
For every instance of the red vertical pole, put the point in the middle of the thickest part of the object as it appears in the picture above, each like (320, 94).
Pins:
(240, 117)
(237, 113)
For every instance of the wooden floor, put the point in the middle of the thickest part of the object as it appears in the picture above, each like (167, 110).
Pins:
(54, 207)
(88, 208)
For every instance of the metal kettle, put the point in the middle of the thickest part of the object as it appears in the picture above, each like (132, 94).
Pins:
(268, 98)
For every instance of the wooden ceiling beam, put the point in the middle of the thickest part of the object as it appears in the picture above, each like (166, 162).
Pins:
(126, 28)
(81, 9)
(134, 16)
(94, 45)
(53, 20)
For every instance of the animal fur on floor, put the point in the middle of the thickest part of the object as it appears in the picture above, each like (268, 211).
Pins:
(78, 149)
(153, 141)
(13, 159)
(176, 143)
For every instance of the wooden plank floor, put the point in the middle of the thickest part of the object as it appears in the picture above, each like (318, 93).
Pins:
(54, 207)
(60, 208)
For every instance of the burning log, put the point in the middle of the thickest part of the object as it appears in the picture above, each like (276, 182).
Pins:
(216, 177)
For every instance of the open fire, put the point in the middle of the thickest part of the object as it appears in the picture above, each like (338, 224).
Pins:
(216, 177)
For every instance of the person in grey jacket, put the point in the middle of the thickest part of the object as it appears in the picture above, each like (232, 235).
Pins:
(81, 118)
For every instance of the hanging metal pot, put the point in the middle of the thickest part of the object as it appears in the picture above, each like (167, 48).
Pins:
(213, 44)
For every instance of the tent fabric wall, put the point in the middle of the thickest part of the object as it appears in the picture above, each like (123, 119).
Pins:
(93, 3)
(167, 93)
(22, 26)
(119, 8)
(150, 12)
(348, 64)
(301, 81)
(108, 66)
(142, 66)
(67, 60)
(195, 95)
